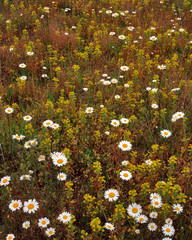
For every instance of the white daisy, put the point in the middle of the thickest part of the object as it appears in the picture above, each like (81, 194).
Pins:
(122, 37)
(124, 163)
(22, 65)
(156, 203)
(30, 53)
(152, 226)
(134, 210)
(27, 144)
(30, 206)
(153, 215)
(15, 204)
(43, 222)
(124, 68)
(50, 231)
(26, 224)
(153, 38)
(161, 67)
(177, 208)
(148, 88)
(64, 217)
(10, 237)
(125, 175)
(111, 195)
(9, 110)
(114, 80)
(109, 226)
(47, 123)
(115, 123)
(5, 181)
(107, 133)
(61, 176)
(154, 105)
(117, 97)
(168, 230)
(27, 118)
(149, 162)
(106, 83)
(126, 85)
(23, 78)
(166, 238)
(137, 231)
(155, 196)
(141, 219)
(130, 28)
(169, 221)
(41, 158)
(125, 145)
(18, 137)
(112, 33)
(124, 120)
(166, 133)
(54, 126)
(89, 110)
(59, 158)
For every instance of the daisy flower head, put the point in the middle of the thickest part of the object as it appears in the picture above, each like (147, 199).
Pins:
(161, 67)
(106, 83)
(134, 210)
(15, 204)
(109, 226)
(54, 126)
(27, 144)
(114, 80)
(112, 33)
(169, 221)
(154, 105)
(107, 132)
(156, 203)
(155, 196)
(9, 110)
(153, 215)
(23, 78)
(89, 110)
(125, 175)
(125, 145)
(168, 230)
(61, 176)
(22, 65)
(126, 85)
(30, 53)
(141, 219)
(104, 75)
(64, 217)
(152, 227)
(33, 142)
(130, 28)
(166, 133)
(41, 158)
(111, 195)
(10, 237)
(124, 68)
(18, 137)
(43, 222)
(153, 38)
(166, 238)
(180, 115)
(137, 231)
(30, 206)
(124, 120)
(50, 232)
(117, 97)
(5, 181)
(115, 123)
(122, 37)
(124, 163)
(115, 14)
(108, 11)
(148, 88)
(154, 90)
(177, 208)
(27, 118)
(149, 162)
(85, 89)
(47, 123)
(59, 158)
(26, 224)
(44, 76)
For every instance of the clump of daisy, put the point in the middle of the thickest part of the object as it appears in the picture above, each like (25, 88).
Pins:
(5, 181)
(152, 226)
(27, 118)
(115, 123)
(177, 208)
(124, 68)
(47, 123)
(168, 230)
(41, 158)
(153, 38)
(111, 195)
(26, 224)
(50, 232)
(61, 176)
(10, 236)
(161, 67)
(177, 116)
(153, 215)
(59, 158)
(43, 222)
(141, 219)
(9, 110)
(124, 120)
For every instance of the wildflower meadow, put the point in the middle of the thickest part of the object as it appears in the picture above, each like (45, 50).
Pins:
(96, 119)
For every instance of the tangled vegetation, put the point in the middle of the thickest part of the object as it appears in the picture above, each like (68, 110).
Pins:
(95, 119)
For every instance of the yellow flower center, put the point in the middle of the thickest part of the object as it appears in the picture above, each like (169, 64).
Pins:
(141, 219)
(152, 227)
(15, 205)
(43, 222)
(10, 238)
(166, 133)
(65, 217)
(5, 180)
(27, 117)
(60, 161)
(177, 208)
(168, 230)
(156, 203)
(89, 110)
(111, 194)
(125, 175)
(31, 206)
(125, 145)
(108, 226)
(134, 210)
(48, 123)
(9, 110)
(50, 232)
